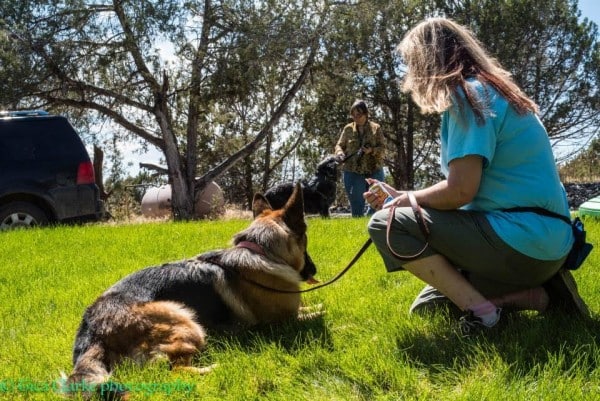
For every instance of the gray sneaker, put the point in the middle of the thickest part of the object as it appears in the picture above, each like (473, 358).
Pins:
(470, 324)
(562, 290)
(430, 300)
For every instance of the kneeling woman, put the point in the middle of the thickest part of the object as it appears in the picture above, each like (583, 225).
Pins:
(496, 155)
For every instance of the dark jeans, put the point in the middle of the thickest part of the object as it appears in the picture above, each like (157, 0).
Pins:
(356, 185)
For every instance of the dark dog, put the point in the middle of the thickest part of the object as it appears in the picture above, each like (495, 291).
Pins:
(319, 192)
(163, 311)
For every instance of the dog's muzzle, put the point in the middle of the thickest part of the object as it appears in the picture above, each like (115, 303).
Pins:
(309, 270)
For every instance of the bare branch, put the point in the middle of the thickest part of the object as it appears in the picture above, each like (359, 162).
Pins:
(155, 167)
(134, 50)
(285, 154)
(116, 117)
(219, 170)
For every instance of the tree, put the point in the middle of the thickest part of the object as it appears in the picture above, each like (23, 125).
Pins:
(244, 72)
(105, 58)
(585, 167)
(553, 56)
(360, 62)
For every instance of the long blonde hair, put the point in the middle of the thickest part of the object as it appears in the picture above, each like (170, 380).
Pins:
(440, 55)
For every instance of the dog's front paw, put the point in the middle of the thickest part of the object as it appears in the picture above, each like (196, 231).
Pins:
(193, 369)
(310, 312)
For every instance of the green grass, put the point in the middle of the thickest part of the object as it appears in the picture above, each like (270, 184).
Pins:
(365, 347)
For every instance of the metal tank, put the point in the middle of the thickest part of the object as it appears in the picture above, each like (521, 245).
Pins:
(157, 201)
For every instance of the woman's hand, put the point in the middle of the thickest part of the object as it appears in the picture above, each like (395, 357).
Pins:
(374, 201)
(391, 190)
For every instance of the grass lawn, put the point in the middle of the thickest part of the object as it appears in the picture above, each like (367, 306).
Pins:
(365, 347)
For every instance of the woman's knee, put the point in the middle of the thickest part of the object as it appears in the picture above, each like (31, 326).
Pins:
(377, 225)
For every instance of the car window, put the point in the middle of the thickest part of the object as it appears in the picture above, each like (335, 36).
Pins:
(41, 140)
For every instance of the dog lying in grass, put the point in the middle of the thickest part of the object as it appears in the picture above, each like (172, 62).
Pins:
(319, 192)
(163, 311)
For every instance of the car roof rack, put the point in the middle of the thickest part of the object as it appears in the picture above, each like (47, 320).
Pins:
(23, 113)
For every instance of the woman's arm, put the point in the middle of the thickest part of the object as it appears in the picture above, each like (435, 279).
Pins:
(461, 186)
(340, 146)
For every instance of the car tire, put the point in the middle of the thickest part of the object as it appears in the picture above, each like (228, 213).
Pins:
(21, 215)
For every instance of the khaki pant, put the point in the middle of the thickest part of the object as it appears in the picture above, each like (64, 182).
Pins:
(468, 241)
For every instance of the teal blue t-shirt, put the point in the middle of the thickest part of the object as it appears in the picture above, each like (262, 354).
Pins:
(518, 170)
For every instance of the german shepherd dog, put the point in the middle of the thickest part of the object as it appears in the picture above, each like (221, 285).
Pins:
(163, 311)
(319, 192)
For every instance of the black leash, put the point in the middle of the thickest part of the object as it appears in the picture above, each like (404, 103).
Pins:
(350, 155)
(422, 226)
(316, 287)
(420, 221)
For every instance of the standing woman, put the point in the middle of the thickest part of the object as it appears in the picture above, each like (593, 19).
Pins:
(361, 148)
(495, 153)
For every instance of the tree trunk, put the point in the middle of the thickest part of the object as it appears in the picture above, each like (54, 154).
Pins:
(98, 176)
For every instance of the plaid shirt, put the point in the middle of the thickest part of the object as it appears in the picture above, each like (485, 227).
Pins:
(351, 140)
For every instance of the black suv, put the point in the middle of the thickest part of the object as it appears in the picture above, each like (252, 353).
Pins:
(46, 175)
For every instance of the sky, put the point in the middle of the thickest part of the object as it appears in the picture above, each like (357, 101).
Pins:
(589, 9)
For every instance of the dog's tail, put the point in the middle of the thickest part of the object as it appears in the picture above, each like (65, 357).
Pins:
(91, 377)
(91, 358)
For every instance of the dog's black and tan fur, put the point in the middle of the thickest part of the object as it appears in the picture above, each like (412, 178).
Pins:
(163, 311)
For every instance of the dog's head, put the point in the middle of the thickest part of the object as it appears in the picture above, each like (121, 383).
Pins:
(328, 168)
(281, 233)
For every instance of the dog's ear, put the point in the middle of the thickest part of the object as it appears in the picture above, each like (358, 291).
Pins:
(293, 214)
(329, 162)
(260, 204)
(323, 163)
